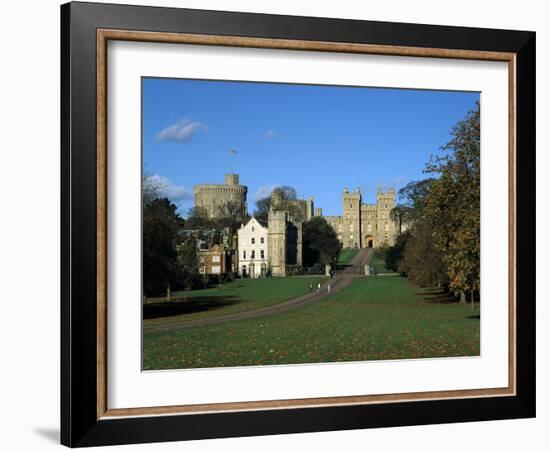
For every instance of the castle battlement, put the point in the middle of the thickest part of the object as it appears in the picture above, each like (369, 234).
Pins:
(219, 188)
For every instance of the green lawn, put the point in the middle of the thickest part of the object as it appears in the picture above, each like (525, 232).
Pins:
(378, 265)
(239, 295)
(346, 255)
(374, 318)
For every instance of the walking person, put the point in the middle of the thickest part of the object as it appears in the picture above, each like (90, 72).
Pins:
(328, 288)
(310, 286)
(318, 287)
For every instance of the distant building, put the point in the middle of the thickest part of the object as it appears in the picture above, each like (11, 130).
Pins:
(253, 256)
(365, 225)
(215, 260)
(222, 200)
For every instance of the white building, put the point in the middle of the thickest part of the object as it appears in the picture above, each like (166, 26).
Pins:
(253, 249)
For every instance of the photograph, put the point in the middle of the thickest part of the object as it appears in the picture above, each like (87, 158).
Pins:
(305, 224)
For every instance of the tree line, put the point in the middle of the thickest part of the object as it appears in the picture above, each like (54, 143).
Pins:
(439, 217)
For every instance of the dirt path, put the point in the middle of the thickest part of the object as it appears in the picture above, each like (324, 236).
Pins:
(342, 279)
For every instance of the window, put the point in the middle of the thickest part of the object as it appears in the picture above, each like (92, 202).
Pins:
(216, 258)
(386, 226)
(253, 254)
(244, 254)
(252, 240)
(369, 228)
(261, 240)
(243, 240)
(252, 229)
(262, 254)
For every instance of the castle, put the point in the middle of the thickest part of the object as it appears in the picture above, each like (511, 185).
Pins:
(362, 224)
(270, 247)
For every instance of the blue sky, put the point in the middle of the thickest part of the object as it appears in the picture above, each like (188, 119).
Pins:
(317, 139)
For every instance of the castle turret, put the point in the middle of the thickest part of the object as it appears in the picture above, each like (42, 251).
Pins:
(232, 179)
(385, 202)
(351, 219)
(310, 208)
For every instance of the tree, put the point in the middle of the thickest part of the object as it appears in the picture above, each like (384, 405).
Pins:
(420, 259)
(197, 219)
(442, 243)
(282, 198)
(320, 243)
(453, 205)
(395, 253)
(187, 263)
(160, 232)
(401, 215)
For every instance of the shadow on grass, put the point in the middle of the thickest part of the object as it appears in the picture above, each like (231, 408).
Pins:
(474, 316)
(437, 295)
(187, 306)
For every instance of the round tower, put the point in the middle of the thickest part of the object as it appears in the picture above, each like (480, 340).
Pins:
(222, 200)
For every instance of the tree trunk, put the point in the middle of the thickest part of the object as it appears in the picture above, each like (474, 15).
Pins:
(472, 298)
(462, 297)
(168, 293)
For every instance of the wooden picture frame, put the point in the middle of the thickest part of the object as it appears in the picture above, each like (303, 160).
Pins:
(86, 418)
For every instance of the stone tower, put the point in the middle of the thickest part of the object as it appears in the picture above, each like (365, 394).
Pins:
(276, 240)
(351, 218)
(310, 208)
(222, 200)
(385, 202)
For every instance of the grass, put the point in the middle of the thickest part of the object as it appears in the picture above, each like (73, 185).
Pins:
(378, 265)
(237, 296)
(374, 318)
(346, 255)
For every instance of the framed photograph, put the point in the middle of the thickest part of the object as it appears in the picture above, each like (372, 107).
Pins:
(276, 224)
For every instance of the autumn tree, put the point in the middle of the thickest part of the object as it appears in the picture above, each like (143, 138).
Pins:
(453, 205)
(441, 245)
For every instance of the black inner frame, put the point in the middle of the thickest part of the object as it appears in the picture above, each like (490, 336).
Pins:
(79, 424)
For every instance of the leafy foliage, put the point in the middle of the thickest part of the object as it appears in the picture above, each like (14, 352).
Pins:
(320, 243)
(160, 259)
(282, 198)
(442, 214)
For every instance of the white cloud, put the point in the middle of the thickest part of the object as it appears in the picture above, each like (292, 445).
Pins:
(264, 192)
(270, 134)
(164, 187)
(182, 131)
